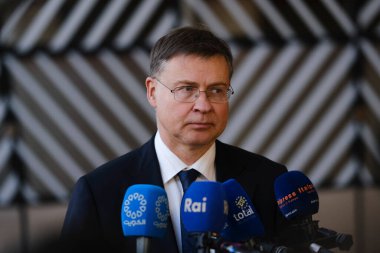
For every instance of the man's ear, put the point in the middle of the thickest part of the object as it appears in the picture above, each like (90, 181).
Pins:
(151, 91)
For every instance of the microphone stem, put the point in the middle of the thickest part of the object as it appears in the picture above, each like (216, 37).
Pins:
(314, 247)
(204, 250)
(142, 244)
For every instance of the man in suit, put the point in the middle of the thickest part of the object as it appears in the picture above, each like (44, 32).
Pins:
(189, 87)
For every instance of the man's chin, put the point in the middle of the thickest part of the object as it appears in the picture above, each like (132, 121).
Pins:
(200, 139)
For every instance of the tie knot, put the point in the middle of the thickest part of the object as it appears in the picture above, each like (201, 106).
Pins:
(187, 177)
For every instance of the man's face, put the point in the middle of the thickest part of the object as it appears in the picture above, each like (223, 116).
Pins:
(195, 124)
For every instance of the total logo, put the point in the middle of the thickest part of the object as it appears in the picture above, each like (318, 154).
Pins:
(194, 206)
(245, 209)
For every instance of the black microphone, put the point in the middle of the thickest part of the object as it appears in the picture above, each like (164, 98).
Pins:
(298, 200)
(144, 214)
(343, 241)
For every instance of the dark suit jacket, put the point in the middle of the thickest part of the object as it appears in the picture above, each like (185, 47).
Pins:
(95, 207)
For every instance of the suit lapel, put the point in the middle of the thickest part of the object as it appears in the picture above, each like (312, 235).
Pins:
(230, 164)
(149, 173)
(148, 167)
(226, 166)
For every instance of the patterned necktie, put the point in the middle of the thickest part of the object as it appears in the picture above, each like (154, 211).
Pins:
(187, 177)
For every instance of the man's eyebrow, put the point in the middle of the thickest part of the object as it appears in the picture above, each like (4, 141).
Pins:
(193, 83)
(187, 82)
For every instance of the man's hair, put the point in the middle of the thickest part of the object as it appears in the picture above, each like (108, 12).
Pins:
(188, 41)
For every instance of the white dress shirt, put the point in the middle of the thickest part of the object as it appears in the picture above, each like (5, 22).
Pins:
(170, 165)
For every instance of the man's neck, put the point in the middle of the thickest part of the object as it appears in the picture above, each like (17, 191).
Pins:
(188, 154)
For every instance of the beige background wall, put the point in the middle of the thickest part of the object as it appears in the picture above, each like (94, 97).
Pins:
(351, 211)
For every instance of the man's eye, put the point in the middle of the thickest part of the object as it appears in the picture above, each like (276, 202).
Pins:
(217, 90)
(186, 88)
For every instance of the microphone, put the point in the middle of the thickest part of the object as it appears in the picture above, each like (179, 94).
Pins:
(243, 222)
(296, 195)
(344, 241)
(144, 214)
(204, 212)
(298, 200)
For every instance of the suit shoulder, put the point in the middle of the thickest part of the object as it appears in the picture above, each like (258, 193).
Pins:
(124, 164)
(247, 158)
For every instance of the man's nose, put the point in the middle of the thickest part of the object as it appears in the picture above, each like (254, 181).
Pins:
(202, 103)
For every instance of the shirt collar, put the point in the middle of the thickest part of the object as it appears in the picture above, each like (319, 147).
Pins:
(170, 164)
